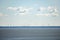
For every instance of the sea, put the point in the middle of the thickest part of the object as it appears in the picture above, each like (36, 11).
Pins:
(29, 32)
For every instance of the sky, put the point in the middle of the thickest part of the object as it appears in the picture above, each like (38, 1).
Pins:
(29, 13)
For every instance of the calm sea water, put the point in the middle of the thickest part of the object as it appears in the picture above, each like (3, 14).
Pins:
(29, 32)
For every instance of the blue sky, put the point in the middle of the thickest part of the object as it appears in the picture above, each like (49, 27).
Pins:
(30, 12)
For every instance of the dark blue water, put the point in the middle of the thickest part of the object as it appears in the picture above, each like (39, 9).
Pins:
(29, 32)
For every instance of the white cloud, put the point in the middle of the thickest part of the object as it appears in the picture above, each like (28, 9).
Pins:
(20, 10)
(52, 9)
(49, 11)
(56, 10)
(55, 14)
(48, 14)
(42, 9)
(23, 9)
(49, 7)
(20, 14)
(12, 8)
(43, 14)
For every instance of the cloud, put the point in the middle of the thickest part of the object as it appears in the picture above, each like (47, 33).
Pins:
(45, 11)
(43, 14)
(20, 10)
(55, 14)
(12, 8)
(49, 7)
(20, 14)
(24, 10)
(52, 9)
(48, 14)
(56, 10)
(42, 9)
